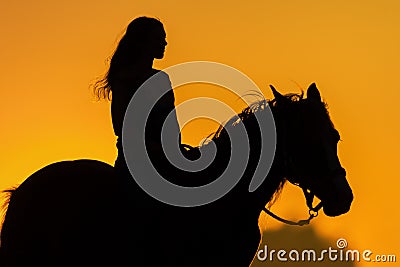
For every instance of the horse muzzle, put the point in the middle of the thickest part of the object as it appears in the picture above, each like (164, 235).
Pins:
(339, 197)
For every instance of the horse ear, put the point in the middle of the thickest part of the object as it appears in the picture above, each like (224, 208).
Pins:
(313, 93)
(278, 96)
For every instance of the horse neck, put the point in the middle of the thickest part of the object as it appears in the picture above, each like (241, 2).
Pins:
(256, 200)
(278, 172)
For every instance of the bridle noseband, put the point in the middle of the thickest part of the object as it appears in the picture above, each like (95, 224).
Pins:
(289, 166)
(312, 211)
(309, 196)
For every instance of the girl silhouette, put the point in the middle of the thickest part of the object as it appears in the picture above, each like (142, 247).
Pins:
(131, 65)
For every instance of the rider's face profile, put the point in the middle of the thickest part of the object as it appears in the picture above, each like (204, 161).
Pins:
(157, 43)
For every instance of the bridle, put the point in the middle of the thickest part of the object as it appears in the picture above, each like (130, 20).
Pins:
(312, 211)
(309, 196)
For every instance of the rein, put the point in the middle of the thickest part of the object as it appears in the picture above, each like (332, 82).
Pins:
(313, 211)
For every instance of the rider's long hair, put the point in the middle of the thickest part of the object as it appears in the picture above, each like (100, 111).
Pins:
(128, 50)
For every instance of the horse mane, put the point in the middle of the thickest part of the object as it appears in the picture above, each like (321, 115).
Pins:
(6, 197)
(250, 111)
(248, 114)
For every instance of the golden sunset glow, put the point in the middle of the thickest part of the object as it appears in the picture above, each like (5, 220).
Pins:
(52, 51)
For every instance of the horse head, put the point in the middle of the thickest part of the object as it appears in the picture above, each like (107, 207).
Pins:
(307, 146)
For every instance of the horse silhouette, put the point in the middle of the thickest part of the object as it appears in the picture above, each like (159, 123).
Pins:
(80, 213)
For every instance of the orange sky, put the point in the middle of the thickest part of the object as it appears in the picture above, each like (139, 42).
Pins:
(51, 51)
